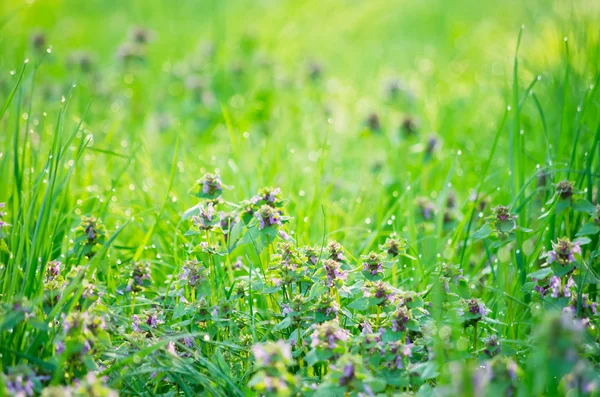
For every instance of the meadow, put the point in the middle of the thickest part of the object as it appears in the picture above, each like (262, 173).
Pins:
(299, 198)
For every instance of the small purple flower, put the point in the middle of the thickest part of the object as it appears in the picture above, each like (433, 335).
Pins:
(373, 122)
(268, 216)
(205, 220)
(564, 251)
(379, 290)
(272, 353)
(564, 189)
(476, 307)
(426, 208)
(400, 318)
(193, 273)
(136, 323)
(211, 185)
(52, 270)
(373, 264)
(347, 375)
(334, 272)
(328, 335)
(283, 235)
(393, 246)
(336, 251)
(267, 196)
(238, 263)
(171, 348)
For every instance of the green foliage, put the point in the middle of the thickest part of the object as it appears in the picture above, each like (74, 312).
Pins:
(140, 253)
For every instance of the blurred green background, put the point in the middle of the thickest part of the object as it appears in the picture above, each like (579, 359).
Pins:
(261, 120)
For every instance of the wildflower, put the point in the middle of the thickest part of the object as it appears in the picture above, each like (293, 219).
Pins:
(426, 207)
(503, 221)
(38, 41)
(564, 251)
(373, 122)
(564, 189)
(140, 35)
(400, 318)
(557, 288)
(238, 263)
(268, 196)
(273, 353)
(81, 60)
(347, 374)
(193, 273)
(393, 87)
(492, 346)
(315, 70)
(335, 251)
(19, 382)
(432, 143)
(380, 290)
(334, 271)
(477, 308)
(328, 335)
(268, 216)
(373, 264)
(130, 52)
(397, 351)
(93, 230)
(211, 185)
(206, 217)
(52, 270)
(327, 305)
(139, 275)
(393, 246)
(409, 126)
(227, 221)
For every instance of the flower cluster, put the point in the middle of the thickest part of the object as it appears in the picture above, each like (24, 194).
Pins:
(373, 264)
(564, 251)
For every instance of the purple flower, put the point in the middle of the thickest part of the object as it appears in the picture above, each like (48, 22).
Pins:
(400, 318)
(334, 271)
(272, 353)
(393, 246)
(564, 251)
(564, 189)
(268, 216)
(211, 185)
(336, 251)
(205, 220)
(267, 196)
(373, 264)
(476, 307)
(52, 270)
(238, 263)
(193, 273)
(136, 323)
(328, 334)
(347, 375)
(379, 290)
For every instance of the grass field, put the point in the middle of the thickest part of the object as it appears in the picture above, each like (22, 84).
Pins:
(316, 198)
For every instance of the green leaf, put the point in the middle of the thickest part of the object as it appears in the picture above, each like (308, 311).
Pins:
(587, 229)
(560, 270)
(540, 274)
(562, 205)
(285, 323)
(485, 231)
(582, 205)
(359, 304)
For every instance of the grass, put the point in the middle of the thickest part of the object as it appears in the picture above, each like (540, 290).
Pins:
(396, 130)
